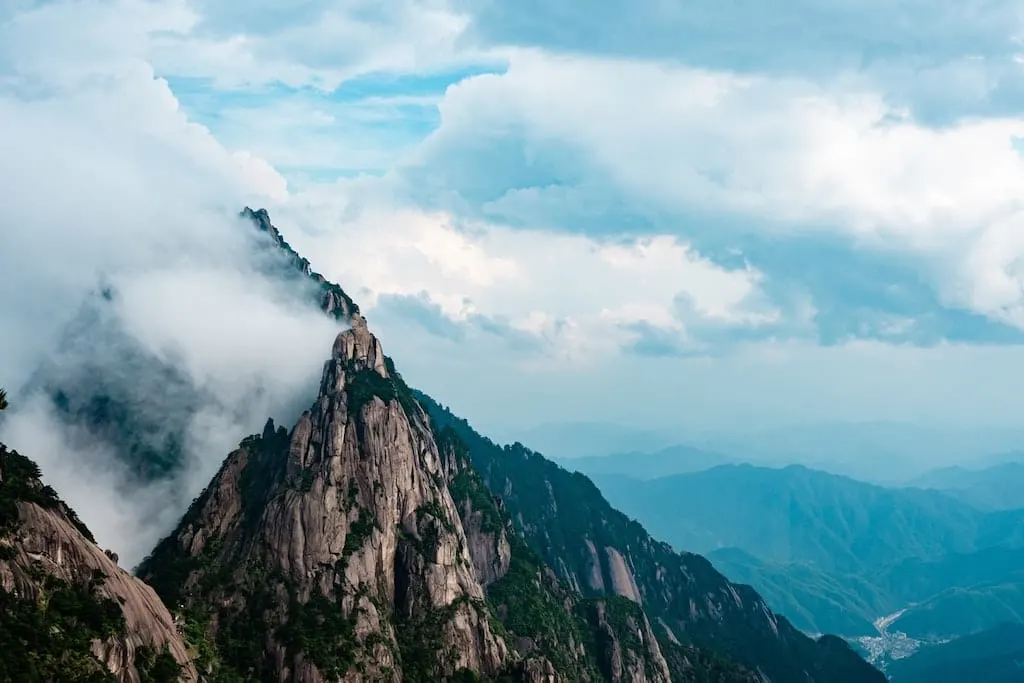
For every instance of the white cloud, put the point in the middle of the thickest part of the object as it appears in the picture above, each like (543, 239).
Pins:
(575, 291)
(790, 155)
(319, 44)
(106, 179)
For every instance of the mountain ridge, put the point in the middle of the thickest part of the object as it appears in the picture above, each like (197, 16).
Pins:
(304, 558)
(67, 611)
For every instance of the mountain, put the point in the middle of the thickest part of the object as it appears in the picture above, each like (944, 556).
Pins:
(111, 388)
(993, 656)
(67, 612)
(879, 452)
(963, 610)
(836, 555)
(999, 487)
(571, 440)
(598, 550)
(667, 461)
(814, 600)
(381, 538)
(362, 546)
(795, 514)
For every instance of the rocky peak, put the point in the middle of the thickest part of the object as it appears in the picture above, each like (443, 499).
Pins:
(67, 611)
(331, 298)
(339, 540)
(359, 349)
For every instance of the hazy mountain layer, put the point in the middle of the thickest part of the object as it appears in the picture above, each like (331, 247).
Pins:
(363, 545)
(834, 554)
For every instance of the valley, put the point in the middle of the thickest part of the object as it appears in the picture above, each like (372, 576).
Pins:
(897, 570)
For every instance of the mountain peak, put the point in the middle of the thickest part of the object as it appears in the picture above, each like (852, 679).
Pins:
(349, 536)
(360, 348)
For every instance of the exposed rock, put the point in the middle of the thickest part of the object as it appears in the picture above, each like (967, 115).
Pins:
(538, 671)
(622, 577)
(46, 550)
(629, 647)
(348, 519)
(601, 552)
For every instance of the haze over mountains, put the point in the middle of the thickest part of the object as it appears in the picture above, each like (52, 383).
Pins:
(379, 539)
(897, 569)
(768, 255)
(883, 453)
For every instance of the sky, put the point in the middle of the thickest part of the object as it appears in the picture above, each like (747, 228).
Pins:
(698, 215)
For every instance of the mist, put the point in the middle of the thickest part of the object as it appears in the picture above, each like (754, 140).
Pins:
(125, 265)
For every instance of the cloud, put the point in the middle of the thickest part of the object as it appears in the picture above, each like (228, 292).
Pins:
(941, 58)
(567, 297)
(599, 146)
(109, 186)
(648, 214)
(320, 43)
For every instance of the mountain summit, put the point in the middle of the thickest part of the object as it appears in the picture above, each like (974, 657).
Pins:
(336, 547)
(382, 539)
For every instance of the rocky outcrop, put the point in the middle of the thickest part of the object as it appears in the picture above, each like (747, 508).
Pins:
(332, 299)
(51, 569)
(370, 543)
(341, 534)
(629, 648)
(698, 615)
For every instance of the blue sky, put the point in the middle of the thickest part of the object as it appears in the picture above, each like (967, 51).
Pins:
(657, 213)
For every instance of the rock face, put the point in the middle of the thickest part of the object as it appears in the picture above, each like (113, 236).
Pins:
(382, 539)
(53, 574)
(691, 609)
(340, 540)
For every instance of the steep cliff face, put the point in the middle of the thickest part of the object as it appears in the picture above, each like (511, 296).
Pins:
(335, 552)
(598, 551)
(67, 611)
(600, 639)
(365, 545)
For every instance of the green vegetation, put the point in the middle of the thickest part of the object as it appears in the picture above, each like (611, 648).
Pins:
(21, 483)
(300, 266)
(49, 637)
(834, 554)
(363, 385)
(319, 629)
(358, 532)
(417, 640)
(814, 600)
(531, 603)
(993, 656)
(467, 486)
(562, 516)
(149, 441)
(157, 667)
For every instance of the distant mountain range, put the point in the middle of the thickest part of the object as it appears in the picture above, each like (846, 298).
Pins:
(889, 453)
(998, 487)
(572, 440)
(379, 539)
(662, 463)
(834, 554)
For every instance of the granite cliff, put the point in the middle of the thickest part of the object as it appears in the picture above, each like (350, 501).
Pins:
(67, 611)
(380, 538)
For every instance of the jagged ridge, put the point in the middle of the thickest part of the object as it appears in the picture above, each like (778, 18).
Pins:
(599, 551)
(305, 559)
(334, 549)
(67, 612)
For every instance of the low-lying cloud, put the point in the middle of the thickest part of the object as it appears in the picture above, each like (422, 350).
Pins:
(126, 269)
